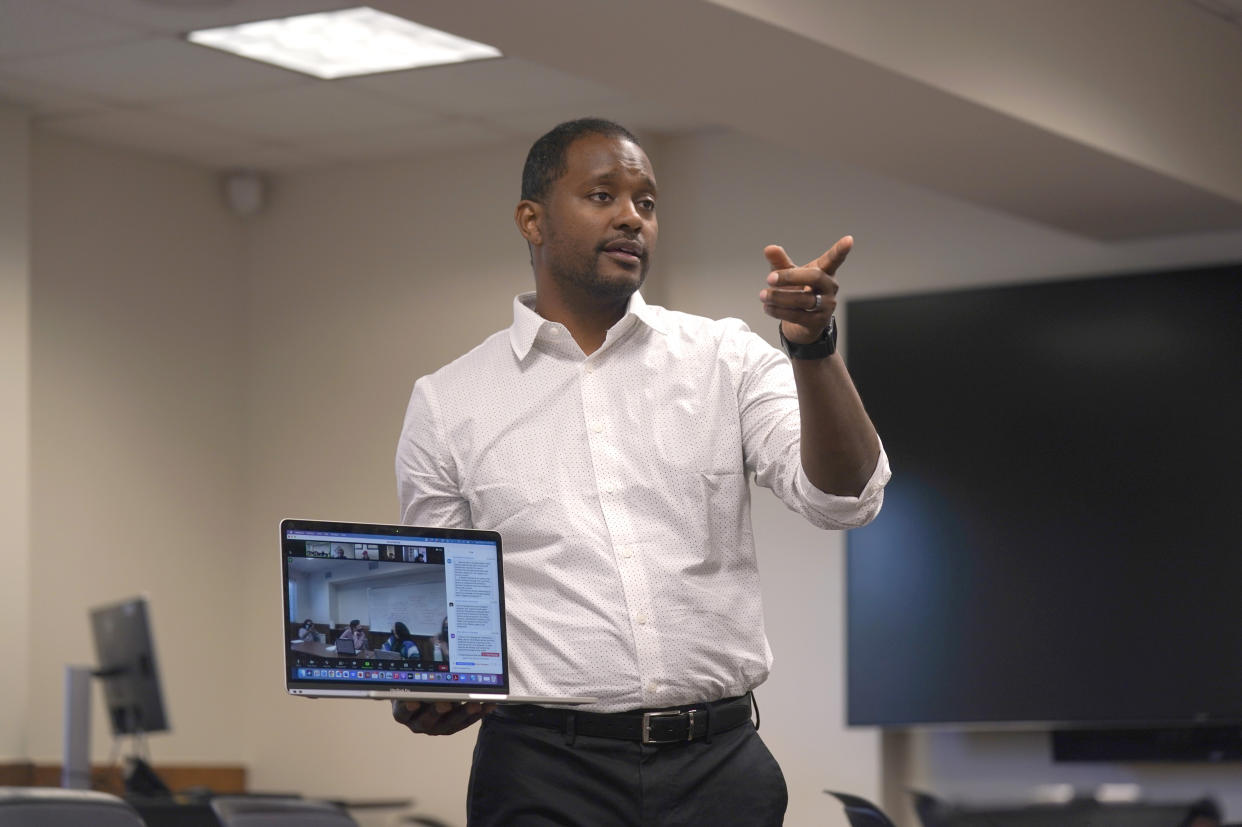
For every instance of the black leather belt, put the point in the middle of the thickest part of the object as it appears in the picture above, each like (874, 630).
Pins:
(656, 726)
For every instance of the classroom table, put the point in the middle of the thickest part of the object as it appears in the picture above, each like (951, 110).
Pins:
(318, 649)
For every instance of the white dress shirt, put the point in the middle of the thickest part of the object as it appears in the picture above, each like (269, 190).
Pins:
(619, 484)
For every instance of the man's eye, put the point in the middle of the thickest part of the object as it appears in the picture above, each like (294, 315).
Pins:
(647, 204)
(600, 196)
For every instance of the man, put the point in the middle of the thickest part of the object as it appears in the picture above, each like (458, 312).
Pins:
(355, 634)
(307, 633)
(611, 443)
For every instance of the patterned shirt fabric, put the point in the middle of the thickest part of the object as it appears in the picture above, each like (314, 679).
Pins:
(619, 483)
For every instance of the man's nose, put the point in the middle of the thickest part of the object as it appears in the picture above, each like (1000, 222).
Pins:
(627, 215)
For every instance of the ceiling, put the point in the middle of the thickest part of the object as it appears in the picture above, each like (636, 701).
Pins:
(1112, 119)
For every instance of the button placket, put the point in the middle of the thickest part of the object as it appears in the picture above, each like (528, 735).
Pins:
(609, 467)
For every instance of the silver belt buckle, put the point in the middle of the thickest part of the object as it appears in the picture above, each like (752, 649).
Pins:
(647, 716)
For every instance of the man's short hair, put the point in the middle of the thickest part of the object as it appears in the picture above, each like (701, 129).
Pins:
(546, 160)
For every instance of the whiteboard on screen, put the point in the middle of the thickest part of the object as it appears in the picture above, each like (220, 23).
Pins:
(420, 606)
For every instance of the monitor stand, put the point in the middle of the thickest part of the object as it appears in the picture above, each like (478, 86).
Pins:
(75, 766)
(140, 779)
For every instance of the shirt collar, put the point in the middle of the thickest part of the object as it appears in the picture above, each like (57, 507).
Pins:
(527, 324)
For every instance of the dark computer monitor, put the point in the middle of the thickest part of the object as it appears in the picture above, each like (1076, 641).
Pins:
(127, 667)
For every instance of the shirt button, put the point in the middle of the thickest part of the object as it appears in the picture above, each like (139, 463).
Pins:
(642, 619)
(590, 367)
(597, 427)
(554, 331)
(627, 552)
(652, 686)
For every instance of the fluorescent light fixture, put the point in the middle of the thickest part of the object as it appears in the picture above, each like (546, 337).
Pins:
(344, 43)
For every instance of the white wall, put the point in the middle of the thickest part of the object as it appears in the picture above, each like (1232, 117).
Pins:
(14, 421)
(362, 279)
(138, 484)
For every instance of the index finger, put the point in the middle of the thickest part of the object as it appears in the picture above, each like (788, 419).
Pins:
(777, 257)
(835, 255)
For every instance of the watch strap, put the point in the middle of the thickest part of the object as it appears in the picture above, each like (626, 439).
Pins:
(821, 348)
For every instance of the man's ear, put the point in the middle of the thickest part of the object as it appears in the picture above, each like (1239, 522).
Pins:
(529, 219)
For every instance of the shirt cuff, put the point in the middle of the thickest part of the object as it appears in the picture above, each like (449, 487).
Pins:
(848, 512)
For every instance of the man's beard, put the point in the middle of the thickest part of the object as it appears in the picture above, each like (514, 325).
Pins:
(581, 274)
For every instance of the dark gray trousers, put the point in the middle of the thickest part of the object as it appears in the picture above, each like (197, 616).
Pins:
(525, 775)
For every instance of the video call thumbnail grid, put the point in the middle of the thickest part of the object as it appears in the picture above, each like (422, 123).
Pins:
(374, 551)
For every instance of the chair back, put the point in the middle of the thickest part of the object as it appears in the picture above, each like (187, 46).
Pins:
(55, 807)
(263, 811)
(861, 812)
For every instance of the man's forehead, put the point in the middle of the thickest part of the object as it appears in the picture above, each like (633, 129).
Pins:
(600, 156)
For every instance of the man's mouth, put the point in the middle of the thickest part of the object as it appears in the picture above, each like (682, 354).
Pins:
(629, 252)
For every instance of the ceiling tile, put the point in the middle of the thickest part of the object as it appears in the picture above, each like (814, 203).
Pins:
(317, 108)
(181, 16)
(42, 99)
(149, 71)
(481, 86)
(409, 140)
(32, 28)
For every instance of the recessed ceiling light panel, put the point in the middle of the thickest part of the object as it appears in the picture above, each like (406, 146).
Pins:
(345, 43)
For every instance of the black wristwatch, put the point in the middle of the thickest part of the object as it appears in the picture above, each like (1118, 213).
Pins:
(821, 348)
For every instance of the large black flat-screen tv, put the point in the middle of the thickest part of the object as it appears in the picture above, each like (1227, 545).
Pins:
(1061, 541)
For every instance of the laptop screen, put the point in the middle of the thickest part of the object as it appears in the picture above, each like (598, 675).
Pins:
(375, 607)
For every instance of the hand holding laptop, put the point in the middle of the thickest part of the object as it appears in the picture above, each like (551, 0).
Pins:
(439, 718)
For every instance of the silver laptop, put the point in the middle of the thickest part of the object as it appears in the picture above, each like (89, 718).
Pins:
(429, 602)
